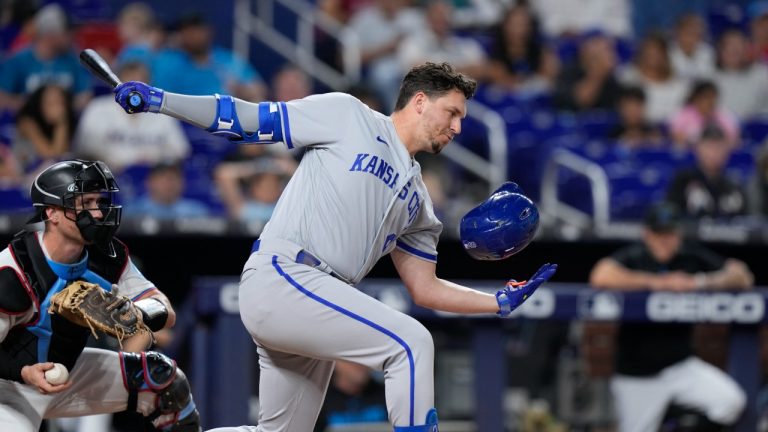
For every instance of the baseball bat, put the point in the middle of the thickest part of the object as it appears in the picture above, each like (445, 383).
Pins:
(96, 65)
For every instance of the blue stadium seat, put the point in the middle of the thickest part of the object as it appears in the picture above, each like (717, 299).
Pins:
(725, 16)
(131, 182)
(203, 142)
(754, 132)
(741, 166)
(597, 123)
(14, 200)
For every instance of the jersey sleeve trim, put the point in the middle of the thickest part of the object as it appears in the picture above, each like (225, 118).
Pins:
(143, 294)
(286, 125)
(28, 288)
(413, 251)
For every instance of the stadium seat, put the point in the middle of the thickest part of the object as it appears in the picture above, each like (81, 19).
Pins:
(14, 200)
(754, 132)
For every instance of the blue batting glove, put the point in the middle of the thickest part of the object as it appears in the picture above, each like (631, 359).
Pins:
(515, 293)
(136, 96)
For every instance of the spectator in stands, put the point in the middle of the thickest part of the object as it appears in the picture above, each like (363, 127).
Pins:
(590, 83)
(352, 397)
(17, 25)
(477, 13)
(140, 32)
(380, 28)
(10, 173)
(692, 56)
(742, 82)
(567, 18)
(164, 198)
(652, 71)
(250, 189)
(45, 125)
(106, 133)
(207, 69)
(702, 110)
(519, 58)
(48, 60)
(705, 190)
(633, 130)
(290, 83)
(655, 363)
(436, 43)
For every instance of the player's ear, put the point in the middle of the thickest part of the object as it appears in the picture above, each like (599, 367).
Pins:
(50, 214)
(419, 99)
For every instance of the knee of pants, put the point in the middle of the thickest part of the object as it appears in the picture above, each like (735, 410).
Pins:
(730, 407)
(421, 343)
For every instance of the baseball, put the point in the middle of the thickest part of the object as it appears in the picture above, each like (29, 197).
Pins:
(56, 375)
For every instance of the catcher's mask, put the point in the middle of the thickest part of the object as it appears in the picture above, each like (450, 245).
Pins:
(65, 184)
(500, 226)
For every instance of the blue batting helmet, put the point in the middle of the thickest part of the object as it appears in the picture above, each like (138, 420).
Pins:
(500, 226)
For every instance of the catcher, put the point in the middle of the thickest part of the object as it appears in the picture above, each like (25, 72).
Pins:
(56, 287)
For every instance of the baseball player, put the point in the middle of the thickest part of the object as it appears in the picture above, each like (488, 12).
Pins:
(74, 200)
(356, 196)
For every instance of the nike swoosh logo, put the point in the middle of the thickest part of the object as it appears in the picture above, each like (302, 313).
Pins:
(381, 140)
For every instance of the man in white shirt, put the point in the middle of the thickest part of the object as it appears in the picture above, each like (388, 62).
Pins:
(106, 133)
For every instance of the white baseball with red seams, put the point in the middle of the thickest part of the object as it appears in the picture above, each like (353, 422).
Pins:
(57, 375)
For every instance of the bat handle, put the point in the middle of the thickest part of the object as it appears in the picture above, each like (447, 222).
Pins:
(135, 102)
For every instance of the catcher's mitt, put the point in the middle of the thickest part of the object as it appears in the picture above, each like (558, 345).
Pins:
(89, 305)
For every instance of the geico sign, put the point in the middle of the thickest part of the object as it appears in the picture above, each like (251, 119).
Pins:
(719, 307)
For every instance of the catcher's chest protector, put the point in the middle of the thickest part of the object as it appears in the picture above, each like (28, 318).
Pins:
(66, 340)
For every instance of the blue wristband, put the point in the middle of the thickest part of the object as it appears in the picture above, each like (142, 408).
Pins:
(505, 305)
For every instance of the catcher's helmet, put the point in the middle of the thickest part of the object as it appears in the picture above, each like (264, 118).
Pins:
(500, 226)
(64, 183)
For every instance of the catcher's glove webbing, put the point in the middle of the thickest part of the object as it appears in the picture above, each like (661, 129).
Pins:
(88, 305)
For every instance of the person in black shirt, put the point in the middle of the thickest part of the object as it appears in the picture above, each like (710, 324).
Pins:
(704, 190)
(633, 130)
(655, 364)
(590, 83)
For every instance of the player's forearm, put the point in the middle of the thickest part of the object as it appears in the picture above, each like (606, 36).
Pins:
(608, 274)
(447, 296)
(157, 311)
(201, 110)
(735, 275)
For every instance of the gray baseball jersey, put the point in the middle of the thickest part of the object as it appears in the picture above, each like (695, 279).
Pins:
(357, 193)
(356, 196)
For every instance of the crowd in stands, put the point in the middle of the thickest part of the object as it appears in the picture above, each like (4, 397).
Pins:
(690, 92)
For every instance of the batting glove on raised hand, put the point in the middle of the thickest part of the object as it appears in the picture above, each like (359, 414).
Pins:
(136, 96)
(515, 293)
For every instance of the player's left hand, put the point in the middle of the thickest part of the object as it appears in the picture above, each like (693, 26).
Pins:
(128, 94)
(515, 293)
(34, 375)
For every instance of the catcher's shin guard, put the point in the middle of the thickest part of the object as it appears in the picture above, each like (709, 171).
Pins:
(152, 371)
(429, 426)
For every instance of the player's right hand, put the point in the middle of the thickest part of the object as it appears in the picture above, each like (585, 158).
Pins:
(136, 96)
(34, 375)
(515, 293)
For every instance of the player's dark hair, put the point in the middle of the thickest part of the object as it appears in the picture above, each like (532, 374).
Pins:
(434, 80)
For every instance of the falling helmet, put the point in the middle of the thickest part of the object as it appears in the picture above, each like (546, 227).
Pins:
(500, 226)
